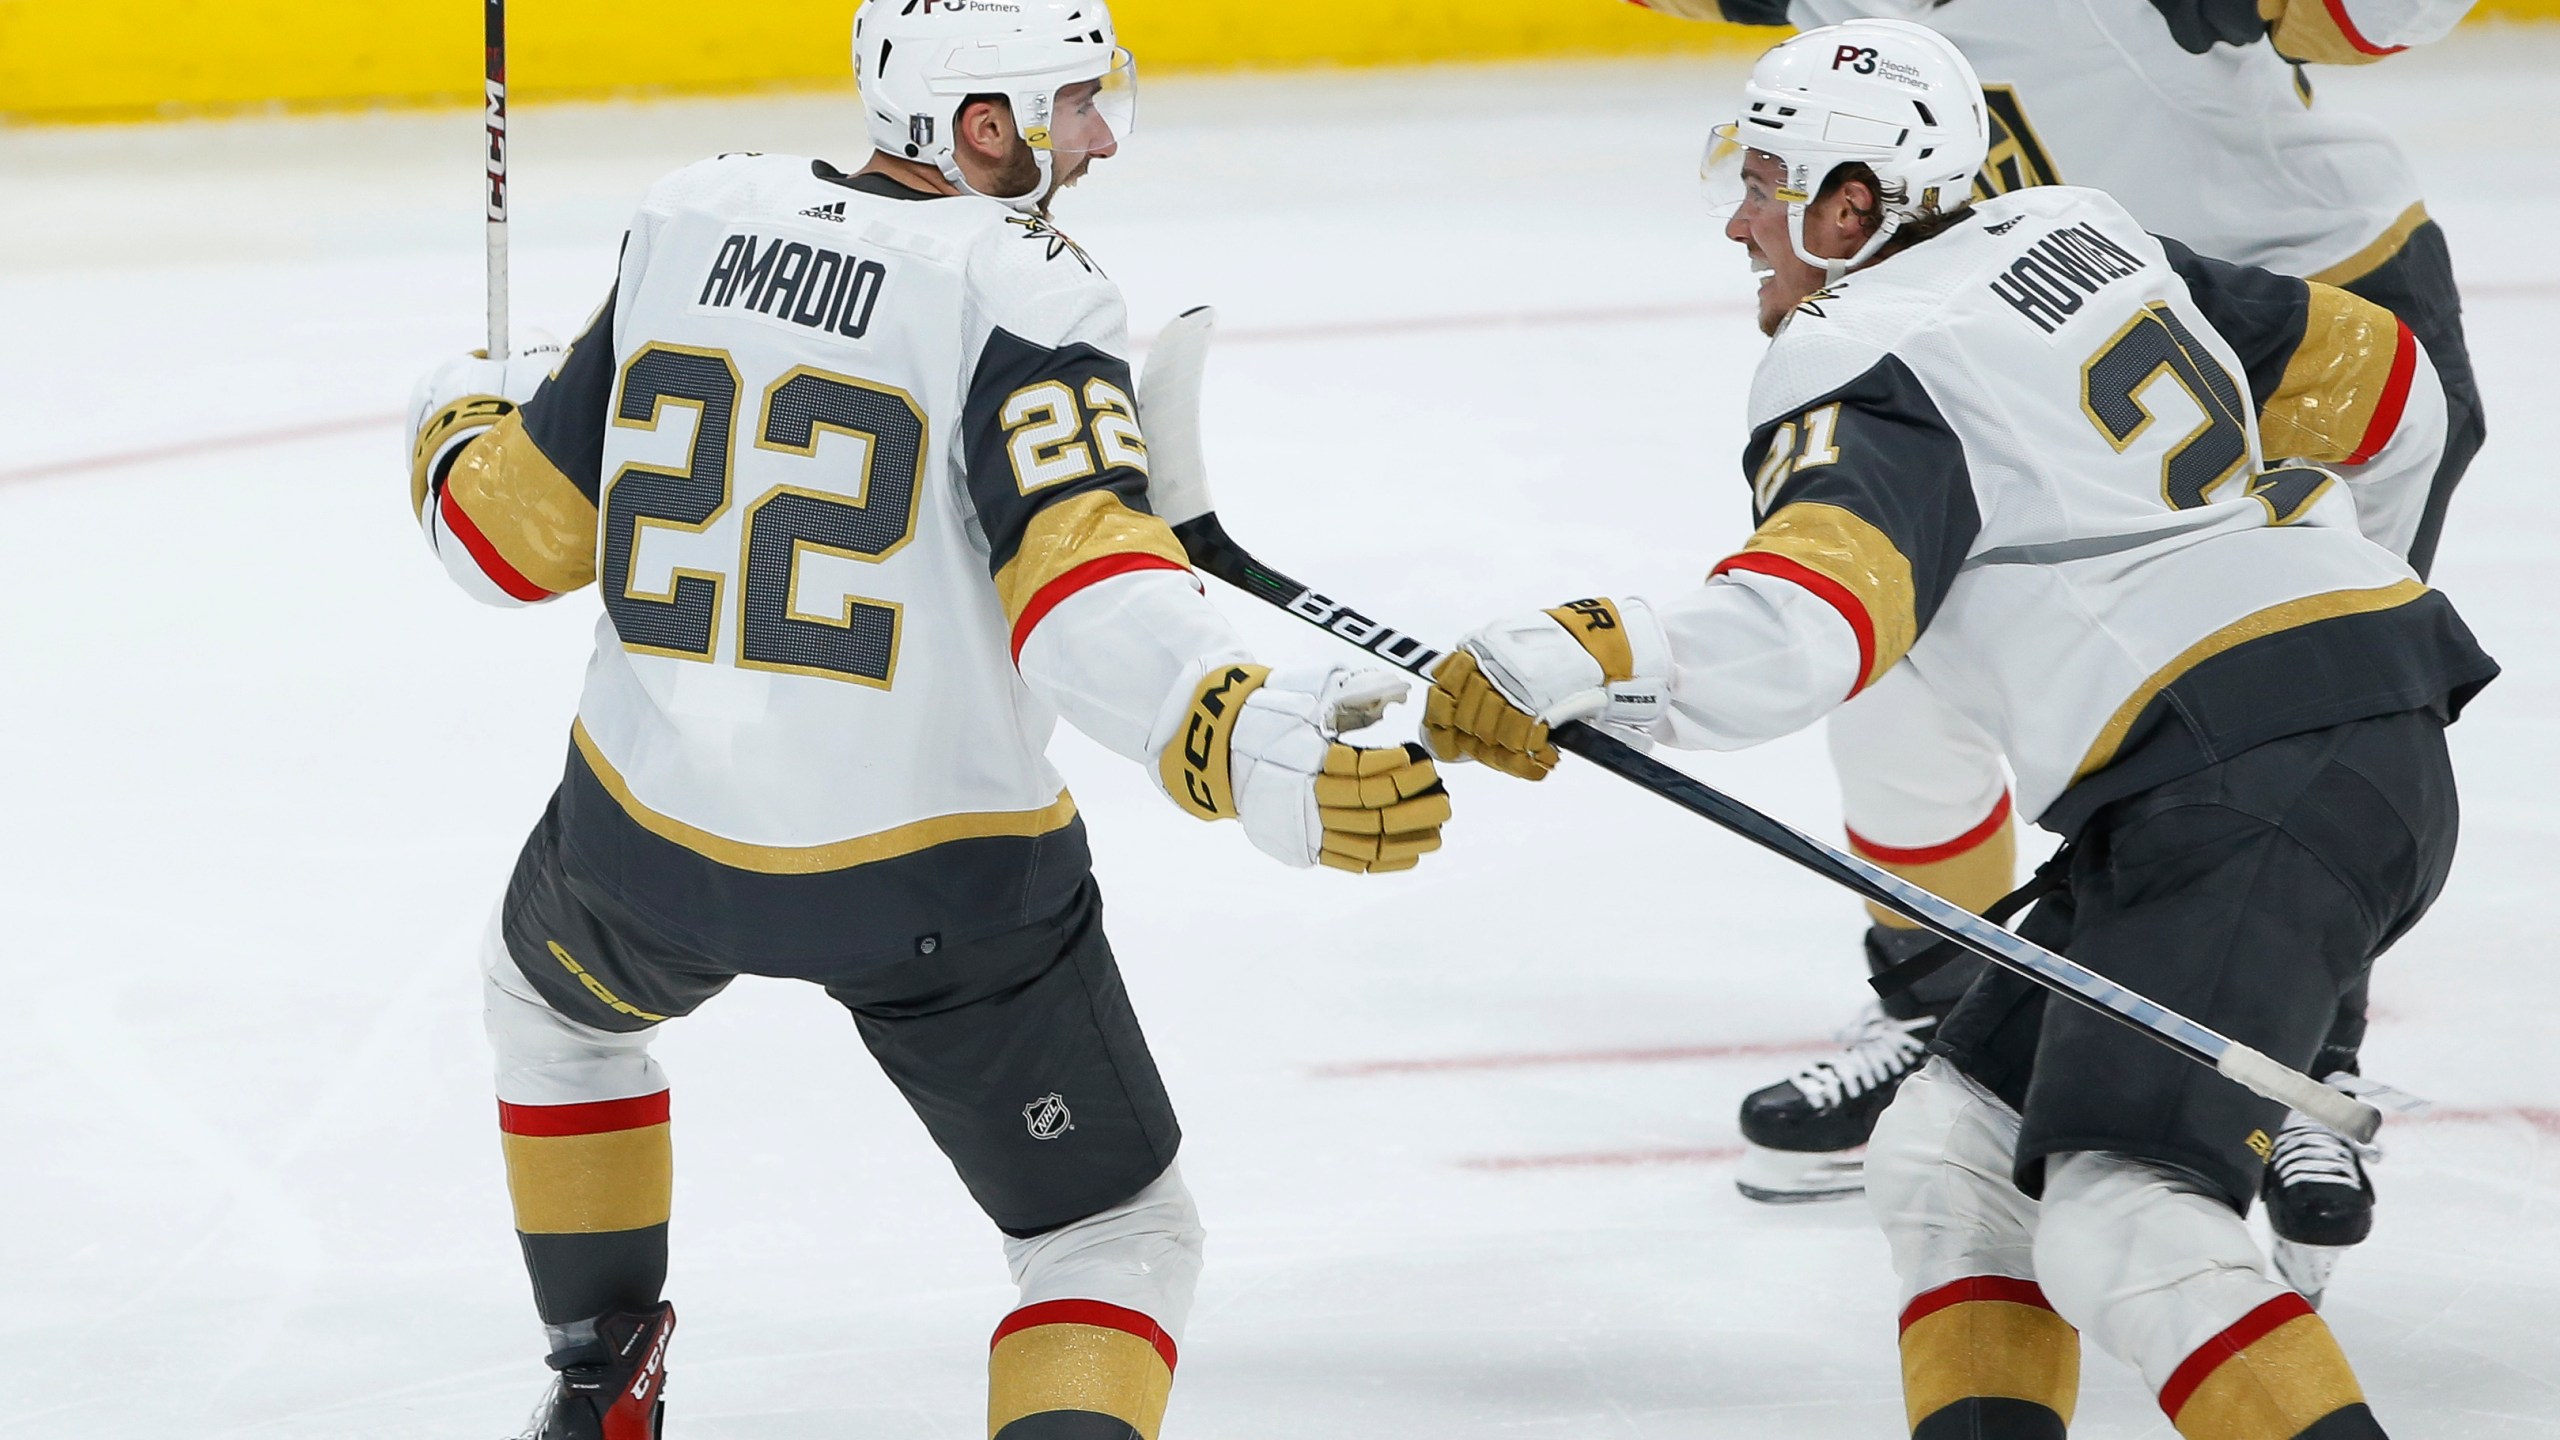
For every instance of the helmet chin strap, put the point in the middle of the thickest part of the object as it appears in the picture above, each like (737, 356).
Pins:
(1028, 203)
(1835, 269)
(948, 162)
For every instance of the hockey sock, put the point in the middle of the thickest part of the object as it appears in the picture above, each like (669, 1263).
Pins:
(591, 1185)
(1078, 1370)
(1985, 1358)
(2275, 1374)
(1972, 870)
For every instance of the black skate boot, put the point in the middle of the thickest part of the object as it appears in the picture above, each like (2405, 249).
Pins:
(2319, 1201)
(612, 1387)
(1806, 1136)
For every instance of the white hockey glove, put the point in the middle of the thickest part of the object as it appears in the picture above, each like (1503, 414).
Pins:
(1259, 745)
(459, 401)
(1496, 698)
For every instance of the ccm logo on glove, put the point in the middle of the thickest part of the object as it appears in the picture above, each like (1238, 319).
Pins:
(1196, 768)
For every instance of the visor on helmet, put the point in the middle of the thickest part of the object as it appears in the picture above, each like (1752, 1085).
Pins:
(1721, 171)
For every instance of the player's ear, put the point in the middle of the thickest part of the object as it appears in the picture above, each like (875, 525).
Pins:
(1854, 210)
(985, 127)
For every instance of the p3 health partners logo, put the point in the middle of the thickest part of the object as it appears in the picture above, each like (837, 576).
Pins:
(1867, 60)
(1048, 1117)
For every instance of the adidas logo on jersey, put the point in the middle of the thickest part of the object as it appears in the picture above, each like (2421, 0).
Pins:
(832, 210)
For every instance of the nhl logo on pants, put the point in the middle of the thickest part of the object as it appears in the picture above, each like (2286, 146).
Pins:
(1048, 1117)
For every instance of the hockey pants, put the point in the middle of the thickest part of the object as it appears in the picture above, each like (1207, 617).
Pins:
(1997, 1289)
(1087, 1354)
(1925, 794)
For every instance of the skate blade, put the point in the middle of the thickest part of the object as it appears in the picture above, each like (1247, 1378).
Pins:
(1782, 1177)
(2307, 1268)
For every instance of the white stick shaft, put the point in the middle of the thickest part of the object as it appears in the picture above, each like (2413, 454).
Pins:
(494, 113)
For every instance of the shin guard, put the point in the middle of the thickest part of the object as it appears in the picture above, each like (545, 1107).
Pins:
(591, 1184)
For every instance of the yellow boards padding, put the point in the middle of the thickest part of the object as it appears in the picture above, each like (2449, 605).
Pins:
(135, 59)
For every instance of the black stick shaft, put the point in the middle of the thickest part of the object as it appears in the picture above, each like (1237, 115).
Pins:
(1213, 550)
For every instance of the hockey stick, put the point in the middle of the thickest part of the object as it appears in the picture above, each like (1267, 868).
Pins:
(494, 112)
(1179, 493)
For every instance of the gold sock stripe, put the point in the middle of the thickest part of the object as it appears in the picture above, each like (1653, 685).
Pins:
(2273, 1374)
(1096, 1369)
(1196, 763)
(1987, 1349)
(1971, 872)
(587, 1184)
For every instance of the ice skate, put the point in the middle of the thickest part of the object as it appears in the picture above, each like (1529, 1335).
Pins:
(613, 1388)
(1806, 1136)
(2319, 1202)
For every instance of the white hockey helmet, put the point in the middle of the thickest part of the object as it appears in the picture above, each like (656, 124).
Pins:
(1892, 95)
(917, 60)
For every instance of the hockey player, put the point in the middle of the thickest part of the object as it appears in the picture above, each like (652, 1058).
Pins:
(855, 461)
(2198, 117)
(2014, 452)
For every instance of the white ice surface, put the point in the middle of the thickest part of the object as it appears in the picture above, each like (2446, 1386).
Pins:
(266, 771)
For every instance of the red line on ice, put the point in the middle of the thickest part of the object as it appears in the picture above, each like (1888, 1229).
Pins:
(2542, 1118)
(1269, 334)
(1535, 1059)
(189, 449)
(1272, 334)
(1607, 1159)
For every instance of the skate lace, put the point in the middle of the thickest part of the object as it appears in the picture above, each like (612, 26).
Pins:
(2310, 1153)
(1875, 1050)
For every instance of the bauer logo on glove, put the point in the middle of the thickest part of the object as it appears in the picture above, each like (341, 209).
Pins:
(1497, 697)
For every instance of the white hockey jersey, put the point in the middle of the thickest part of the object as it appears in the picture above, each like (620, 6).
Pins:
(836, 451)
(2025, 457)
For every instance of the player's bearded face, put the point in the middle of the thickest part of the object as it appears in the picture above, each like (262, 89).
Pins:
(1080, 135)
(1759, 226)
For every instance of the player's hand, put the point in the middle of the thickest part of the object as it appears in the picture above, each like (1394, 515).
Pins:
(458, 401)
(1497, 697)
(1305, 796)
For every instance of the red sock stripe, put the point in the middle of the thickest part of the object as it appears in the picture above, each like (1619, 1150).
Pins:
(595, 1117)
(457, 523)
(1831, 592)
(1970, 1289)
(1087, 1312)
(1931, 854)
(2395, 399)
(2346, 24)
(1090, 572)
(2209, 1357)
